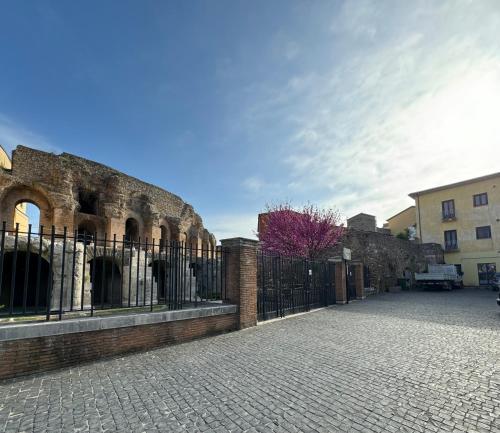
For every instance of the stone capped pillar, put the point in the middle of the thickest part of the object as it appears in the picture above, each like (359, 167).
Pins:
(241, 277)
(340, 283)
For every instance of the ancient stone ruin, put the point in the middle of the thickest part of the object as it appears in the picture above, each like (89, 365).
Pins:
(110, 220)
(83, 195)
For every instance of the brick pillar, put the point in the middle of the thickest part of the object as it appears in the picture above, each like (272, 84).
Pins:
(340, 283)
(359, 280)
(241, 277)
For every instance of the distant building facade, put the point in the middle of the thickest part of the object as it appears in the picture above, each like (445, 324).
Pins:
(464, 217)
(20, 216)
(400, 222)
(362, 221)
(366, 223)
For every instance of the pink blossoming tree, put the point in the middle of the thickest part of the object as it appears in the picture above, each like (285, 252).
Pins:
(306, 232)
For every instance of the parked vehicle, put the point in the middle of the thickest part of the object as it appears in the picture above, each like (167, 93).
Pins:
(494, 282)
(442, 276)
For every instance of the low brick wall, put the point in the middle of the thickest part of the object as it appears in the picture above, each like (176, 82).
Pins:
(20, 356)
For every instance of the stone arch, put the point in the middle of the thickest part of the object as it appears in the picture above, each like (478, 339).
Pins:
(23, 214)
(29, 264)
(163, 232)
(132, 229)
(183, 237)
(206, 244)
(193, 244)
(106, 280)
(25, 194)
(174, 229)
(193, 240)
(160, 274)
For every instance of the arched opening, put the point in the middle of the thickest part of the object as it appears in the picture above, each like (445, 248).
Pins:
(27, 213)
(86, 232)
(131, 230)
(165, 238)
(160, 275)
(17, 195)
(106, 281)
(29, 264)
(193, 246)
(183, 237)
(88, 202)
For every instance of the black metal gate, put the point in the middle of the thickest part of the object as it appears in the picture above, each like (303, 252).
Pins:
(350, 282)
(292, 285)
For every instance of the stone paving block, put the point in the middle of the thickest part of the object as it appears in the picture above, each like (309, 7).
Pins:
(406, 362)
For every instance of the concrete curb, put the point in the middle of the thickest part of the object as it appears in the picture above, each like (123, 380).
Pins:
(84, 324)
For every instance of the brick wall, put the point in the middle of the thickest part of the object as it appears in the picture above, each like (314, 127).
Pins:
(29, 355)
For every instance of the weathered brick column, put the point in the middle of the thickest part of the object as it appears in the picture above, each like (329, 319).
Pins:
(241, 277)
(340, 283)
(359, 280)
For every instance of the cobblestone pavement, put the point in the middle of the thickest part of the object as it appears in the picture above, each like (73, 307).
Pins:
(406, 362)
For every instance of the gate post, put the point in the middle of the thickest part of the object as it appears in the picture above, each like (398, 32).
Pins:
(241, 277)
(359, 280)
(340, 283)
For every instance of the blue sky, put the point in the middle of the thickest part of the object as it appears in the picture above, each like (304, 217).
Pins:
(233, 104)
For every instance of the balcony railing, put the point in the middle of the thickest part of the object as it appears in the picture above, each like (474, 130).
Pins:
(451, 246)
(450, 216)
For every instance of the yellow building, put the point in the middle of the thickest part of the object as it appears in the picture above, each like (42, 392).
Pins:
(464, 218)
(401, 221)
(20, 213)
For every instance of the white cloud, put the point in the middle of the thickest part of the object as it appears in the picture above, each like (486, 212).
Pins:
(13, 134)
(357, 18)
(292, 50)
(254, 184)
(401, 113)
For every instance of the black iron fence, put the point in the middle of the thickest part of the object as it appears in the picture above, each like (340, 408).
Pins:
(51, 274)
(292, 285)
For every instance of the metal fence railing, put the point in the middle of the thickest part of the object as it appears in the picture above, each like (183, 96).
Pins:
(48, 274)
(292, 285)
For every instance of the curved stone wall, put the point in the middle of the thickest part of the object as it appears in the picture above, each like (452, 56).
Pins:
(76, 193)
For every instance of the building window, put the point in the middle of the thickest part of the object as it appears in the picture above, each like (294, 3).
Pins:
(483, 232)
(450, 240)
(481, 199)
(448, 207)
(486, 273)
